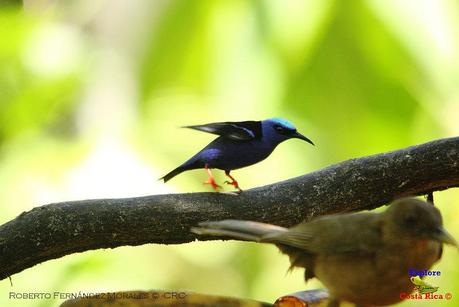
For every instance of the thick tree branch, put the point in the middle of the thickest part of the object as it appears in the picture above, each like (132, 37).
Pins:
(55, 230)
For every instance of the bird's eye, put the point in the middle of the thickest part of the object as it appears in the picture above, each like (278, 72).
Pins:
(410, 220)
(279, 129)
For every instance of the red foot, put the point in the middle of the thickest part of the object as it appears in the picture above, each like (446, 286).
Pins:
(233, 182)
(211, 180)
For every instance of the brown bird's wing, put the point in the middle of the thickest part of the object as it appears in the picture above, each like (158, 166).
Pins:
(350, 233)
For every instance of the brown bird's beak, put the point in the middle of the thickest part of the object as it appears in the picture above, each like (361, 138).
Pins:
(444, 236)
(298, 135)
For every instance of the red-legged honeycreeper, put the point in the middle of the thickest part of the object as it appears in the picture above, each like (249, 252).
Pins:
(239, 144)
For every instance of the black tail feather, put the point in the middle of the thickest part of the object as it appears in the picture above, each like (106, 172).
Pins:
(187, 166)
(173, 173)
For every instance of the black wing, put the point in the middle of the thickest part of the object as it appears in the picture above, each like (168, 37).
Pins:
(238, 131)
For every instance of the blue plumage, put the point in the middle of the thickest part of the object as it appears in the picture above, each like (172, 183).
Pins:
(239, 144)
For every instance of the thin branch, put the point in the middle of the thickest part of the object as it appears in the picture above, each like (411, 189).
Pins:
(55, 230)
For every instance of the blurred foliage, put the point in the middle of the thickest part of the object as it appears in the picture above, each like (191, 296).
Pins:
(33, 97)
(93, 92)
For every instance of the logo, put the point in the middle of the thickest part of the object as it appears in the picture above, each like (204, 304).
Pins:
(423, 289)
(422, 286)
(414, 272)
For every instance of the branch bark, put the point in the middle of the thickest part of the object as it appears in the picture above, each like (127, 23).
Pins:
(54, 230)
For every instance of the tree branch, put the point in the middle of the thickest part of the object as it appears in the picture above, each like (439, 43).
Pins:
(54, 230)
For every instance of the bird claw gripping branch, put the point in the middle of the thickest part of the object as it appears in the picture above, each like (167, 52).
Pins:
(211, 180)
(233, 182)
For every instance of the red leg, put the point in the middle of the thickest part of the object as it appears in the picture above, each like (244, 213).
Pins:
(233, 181)
(211, 179)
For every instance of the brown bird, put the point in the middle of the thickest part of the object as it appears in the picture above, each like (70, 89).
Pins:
(362, 258)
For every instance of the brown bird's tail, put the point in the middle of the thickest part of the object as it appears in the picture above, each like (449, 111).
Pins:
(257, 232)
(242, 230)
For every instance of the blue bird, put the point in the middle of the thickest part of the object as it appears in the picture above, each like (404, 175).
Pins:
(239, 144)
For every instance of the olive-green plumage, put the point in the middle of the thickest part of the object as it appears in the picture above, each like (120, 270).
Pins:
(363, 258)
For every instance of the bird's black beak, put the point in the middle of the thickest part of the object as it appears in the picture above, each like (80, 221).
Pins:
(298, 135)
(440, 234)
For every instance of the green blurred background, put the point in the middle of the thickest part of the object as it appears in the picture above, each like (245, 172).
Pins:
(92, 94)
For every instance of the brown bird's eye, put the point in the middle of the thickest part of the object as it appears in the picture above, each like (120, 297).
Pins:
(410, 220)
